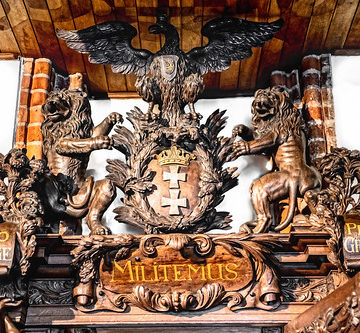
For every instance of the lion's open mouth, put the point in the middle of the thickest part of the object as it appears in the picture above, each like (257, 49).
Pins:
(263, 106)
(55, 109)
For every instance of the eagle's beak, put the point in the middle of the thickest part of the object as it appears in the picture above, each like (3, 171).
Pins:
(155, 29)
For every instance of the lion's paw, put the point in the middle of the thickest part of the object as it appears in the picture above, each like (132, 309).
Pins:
(98, 229)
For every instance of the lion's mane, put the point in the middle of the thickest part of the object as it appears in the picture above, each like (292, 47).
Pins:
(78, 124)
(285, 118)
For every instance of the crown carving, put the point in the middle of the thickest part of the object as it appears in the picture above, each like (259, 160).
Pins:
(175, 155)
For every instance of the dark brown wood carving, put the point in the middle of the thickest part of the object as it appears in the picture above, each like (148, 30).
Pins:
(176, 272)
(170, 78)
(69, 138)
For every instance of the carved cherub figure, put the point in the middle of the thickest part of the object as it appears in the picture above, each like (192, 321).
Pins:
(278, 131)
(69, 138)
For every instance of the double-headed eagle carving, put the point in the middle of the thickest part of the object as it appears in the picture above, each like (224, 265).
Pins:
(170, 77)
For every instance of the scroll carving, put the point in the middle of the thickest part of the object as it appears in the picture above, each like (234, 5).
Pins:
(101, 281)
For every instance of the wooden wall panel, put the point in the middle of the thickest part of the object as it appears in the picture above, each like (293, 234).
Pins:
(22, 28)
(191, 21)
(229, 78)
(146, 11)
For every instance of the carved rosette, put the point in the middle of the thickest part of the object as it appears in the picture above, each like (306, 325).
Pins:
(173, 177)
(175, 272)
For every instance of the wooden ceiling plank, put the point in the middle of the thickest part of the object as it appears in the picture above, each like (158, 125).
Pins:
(62, 19)
(104, 13)
(353, 38)
(44, 30)
(20, 23)
(8, 41)
(146, 10)
(249, 66)
(271, 51)
(340, 24)
(295, 35)
(211, 10)
(319, 25)
(125, 10)
(229, 78)
(83, 17)
(191, 21)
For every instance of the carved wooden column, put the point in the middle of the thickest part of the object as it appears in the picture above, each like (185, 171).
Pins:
(290, 83)
(24, 100)
(39, 91)
(319, 107)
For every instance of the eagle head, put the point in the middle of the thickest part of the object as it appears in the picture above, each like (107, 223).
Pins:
(162, 25)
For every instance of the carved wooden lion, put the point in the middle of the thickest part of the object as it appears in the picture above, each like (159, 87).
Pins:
(278, 131)
(69, 138)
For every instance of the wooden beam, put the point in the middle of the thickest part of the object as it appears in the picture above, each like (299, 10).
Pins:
(271, 51)
(346, 52)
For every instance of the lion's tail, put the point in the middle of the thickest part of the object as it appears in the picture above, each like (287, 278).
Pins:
(292, 207)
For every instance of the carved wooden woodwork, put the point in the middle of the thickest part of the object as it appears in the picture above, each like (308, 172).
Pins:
(170, 78)
(173, 177)
(69, 138)
(278, 131)
(175, 272)
(339, 312)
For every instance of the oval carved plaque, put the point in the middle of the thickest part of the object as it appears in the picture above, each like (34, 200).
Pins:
(171, 271)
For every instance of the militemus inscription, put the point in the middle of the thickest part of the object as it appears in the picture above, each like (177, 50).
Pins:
(171, 269)
(175, 272)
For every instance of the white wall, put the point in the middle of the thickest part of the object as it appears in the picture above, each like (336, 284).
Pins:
(346, 89)
(9, 88)
(237, 200)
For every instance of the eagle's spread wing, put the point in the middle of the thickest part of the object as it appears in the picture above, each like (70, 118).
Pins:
(230, 39)
(110, 43)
